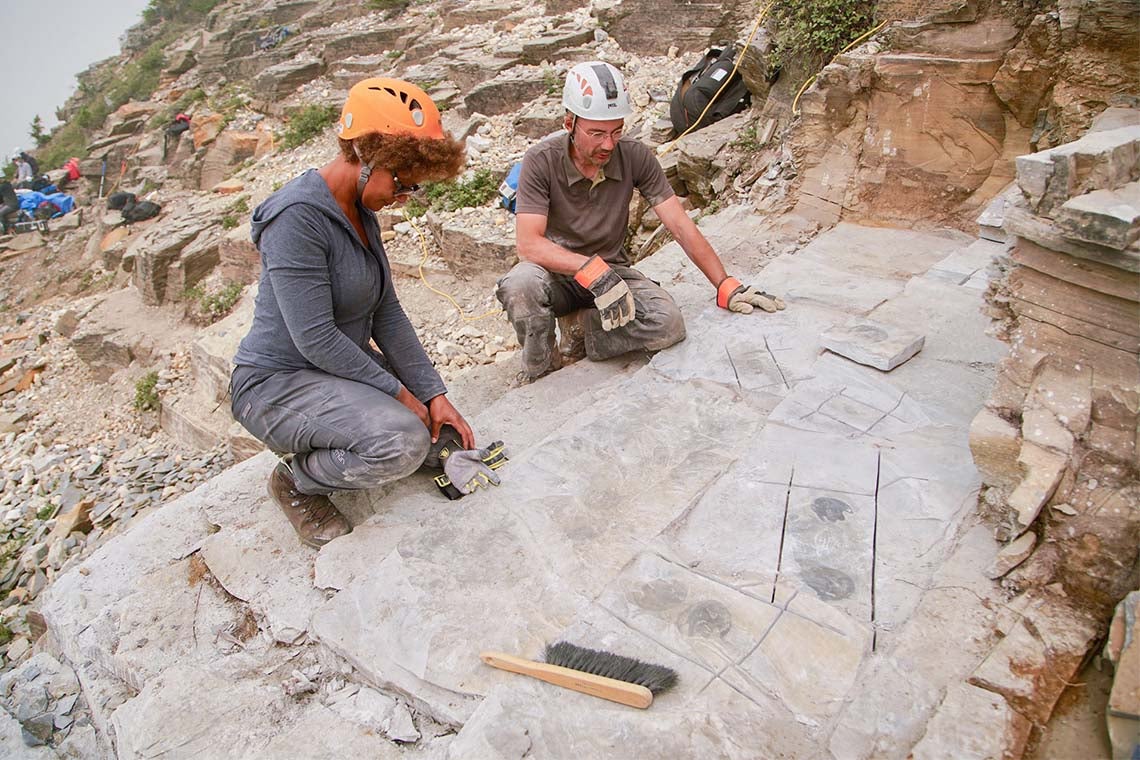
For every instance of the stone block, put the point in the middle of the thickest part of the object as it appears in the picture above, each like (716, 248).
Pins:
(1020, 221)
(755, 66)
(1042, 473)
(1012, 555)
(469, 68)
(1105, 217)
(1041, 426)
(238, 257)
(507, 92)
(212, 353)
(875, 344)
(206, 129)
(1079, 311)
(992, 218)
(1038, 658)
(1066, 391)
(475, 249)
(280, 80)
(995, 445)
(973, 724)
(545, 47)
(1098, 161)
(336, 44)
(700, 156)
(229, 150)
(540, 118)
(195, 261)
(1123, 650)
(693, 26)
(1087, 273)
(241, 444)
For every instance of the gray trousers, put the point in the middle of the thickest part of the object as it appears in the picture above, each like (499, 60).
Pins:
(534, 297)
(344, 435)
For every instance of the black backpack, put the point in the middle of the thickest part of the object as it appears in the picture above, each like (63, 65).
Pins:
(699, 84)
(118, 201)
(137, 212)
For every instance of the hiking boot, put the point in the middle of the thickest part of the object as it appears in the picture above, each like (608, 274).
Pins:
(314, 518)
(573, 343)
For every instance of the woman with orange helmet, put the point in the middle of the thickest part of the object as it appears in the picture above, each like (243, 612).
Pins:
(307, 382)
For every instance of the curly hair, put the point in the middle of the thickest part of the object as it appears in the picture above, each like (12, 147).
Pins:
(427, 160)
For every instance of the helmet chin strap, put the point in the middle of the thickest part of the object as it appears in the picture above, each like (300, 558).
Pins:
(365, 172)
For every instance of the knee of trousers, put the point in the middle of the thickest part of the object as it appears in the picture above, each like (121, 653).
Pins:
(524, 291)
(395, 455)
(661, 325)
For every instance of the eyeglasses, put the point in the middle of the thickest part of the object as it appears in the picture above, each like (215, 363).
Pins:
(401, 188)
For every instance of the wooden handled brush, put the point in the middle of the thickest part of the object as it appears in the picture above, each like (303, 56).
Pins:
(600, 674)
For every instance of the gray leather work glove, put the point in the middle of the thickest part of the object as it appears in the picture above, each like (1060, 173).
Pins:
(611, 294)
(468, 470)
(734, 296)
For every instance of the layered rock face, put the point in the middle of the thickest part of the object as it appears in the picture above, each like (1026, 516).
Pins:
(1056, 442)
(927, 119)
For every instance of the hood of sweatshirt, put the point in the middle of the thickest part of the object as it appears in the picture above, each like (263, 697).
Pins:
(310, 189)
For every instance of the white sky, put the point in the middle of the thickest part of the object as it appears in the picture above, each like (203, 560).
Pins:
(43, 45)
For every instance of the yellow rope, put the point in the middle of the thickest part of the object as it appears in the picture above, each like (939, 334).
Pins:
(423, 260)
(661, 151)
(858, 41)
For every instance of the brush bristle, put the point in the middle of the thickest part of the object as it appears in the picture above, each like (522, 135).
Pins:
(656, 678)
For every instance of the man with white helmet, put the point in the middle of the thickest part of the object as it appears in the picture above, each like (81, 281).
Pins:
(572, 210)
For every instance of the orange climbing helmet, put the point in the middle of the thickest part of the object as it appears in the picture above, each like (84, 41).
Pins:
(389, 106)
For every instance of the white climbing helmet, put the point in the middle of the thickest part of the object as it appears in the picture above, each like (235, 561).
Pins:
(596, 90)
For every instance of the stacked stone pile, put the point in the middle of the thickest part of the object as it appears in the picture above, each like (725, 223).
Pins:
(1056, 443)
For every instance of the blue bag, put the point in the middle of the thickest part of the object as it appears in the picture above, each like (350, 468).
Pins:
(509, 188)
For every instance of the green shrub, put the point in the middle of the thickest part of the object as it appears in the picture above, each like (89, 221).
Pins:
(139, 78)
(207, 307)
(307, 123)
(450, 196)
(66, 140)
(241, 205)
(388, 5)
(552, 81)
(229, 221)
(813, 31)
(146, 397)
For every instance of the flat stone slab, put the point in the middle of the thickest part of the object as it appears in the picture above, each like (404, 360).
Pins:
(783, 527)
(876, 344)
(1104, 217)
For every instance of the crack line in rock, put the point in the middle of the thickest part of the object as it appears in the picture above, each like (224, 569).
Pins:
(778, 368)
(888, 413)
(734, 372)
(783, 532)
(836, 394)
(875, 546)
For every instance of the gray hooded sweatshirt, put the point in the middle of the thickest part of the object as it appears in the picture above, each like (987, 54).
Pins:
(323, 295)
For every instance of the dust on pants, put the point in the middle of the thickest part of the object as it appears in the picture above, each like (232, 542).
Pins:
(343, 435)
(534, 298)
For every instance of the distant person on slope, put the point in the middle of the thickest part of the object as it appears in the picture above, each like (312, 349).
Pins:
(174, 131)
(572, 211)
(24, 173)
(306, 380)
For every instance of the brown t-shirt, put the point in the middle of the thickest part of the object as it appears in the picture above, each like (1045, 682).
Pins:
(587, 218)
